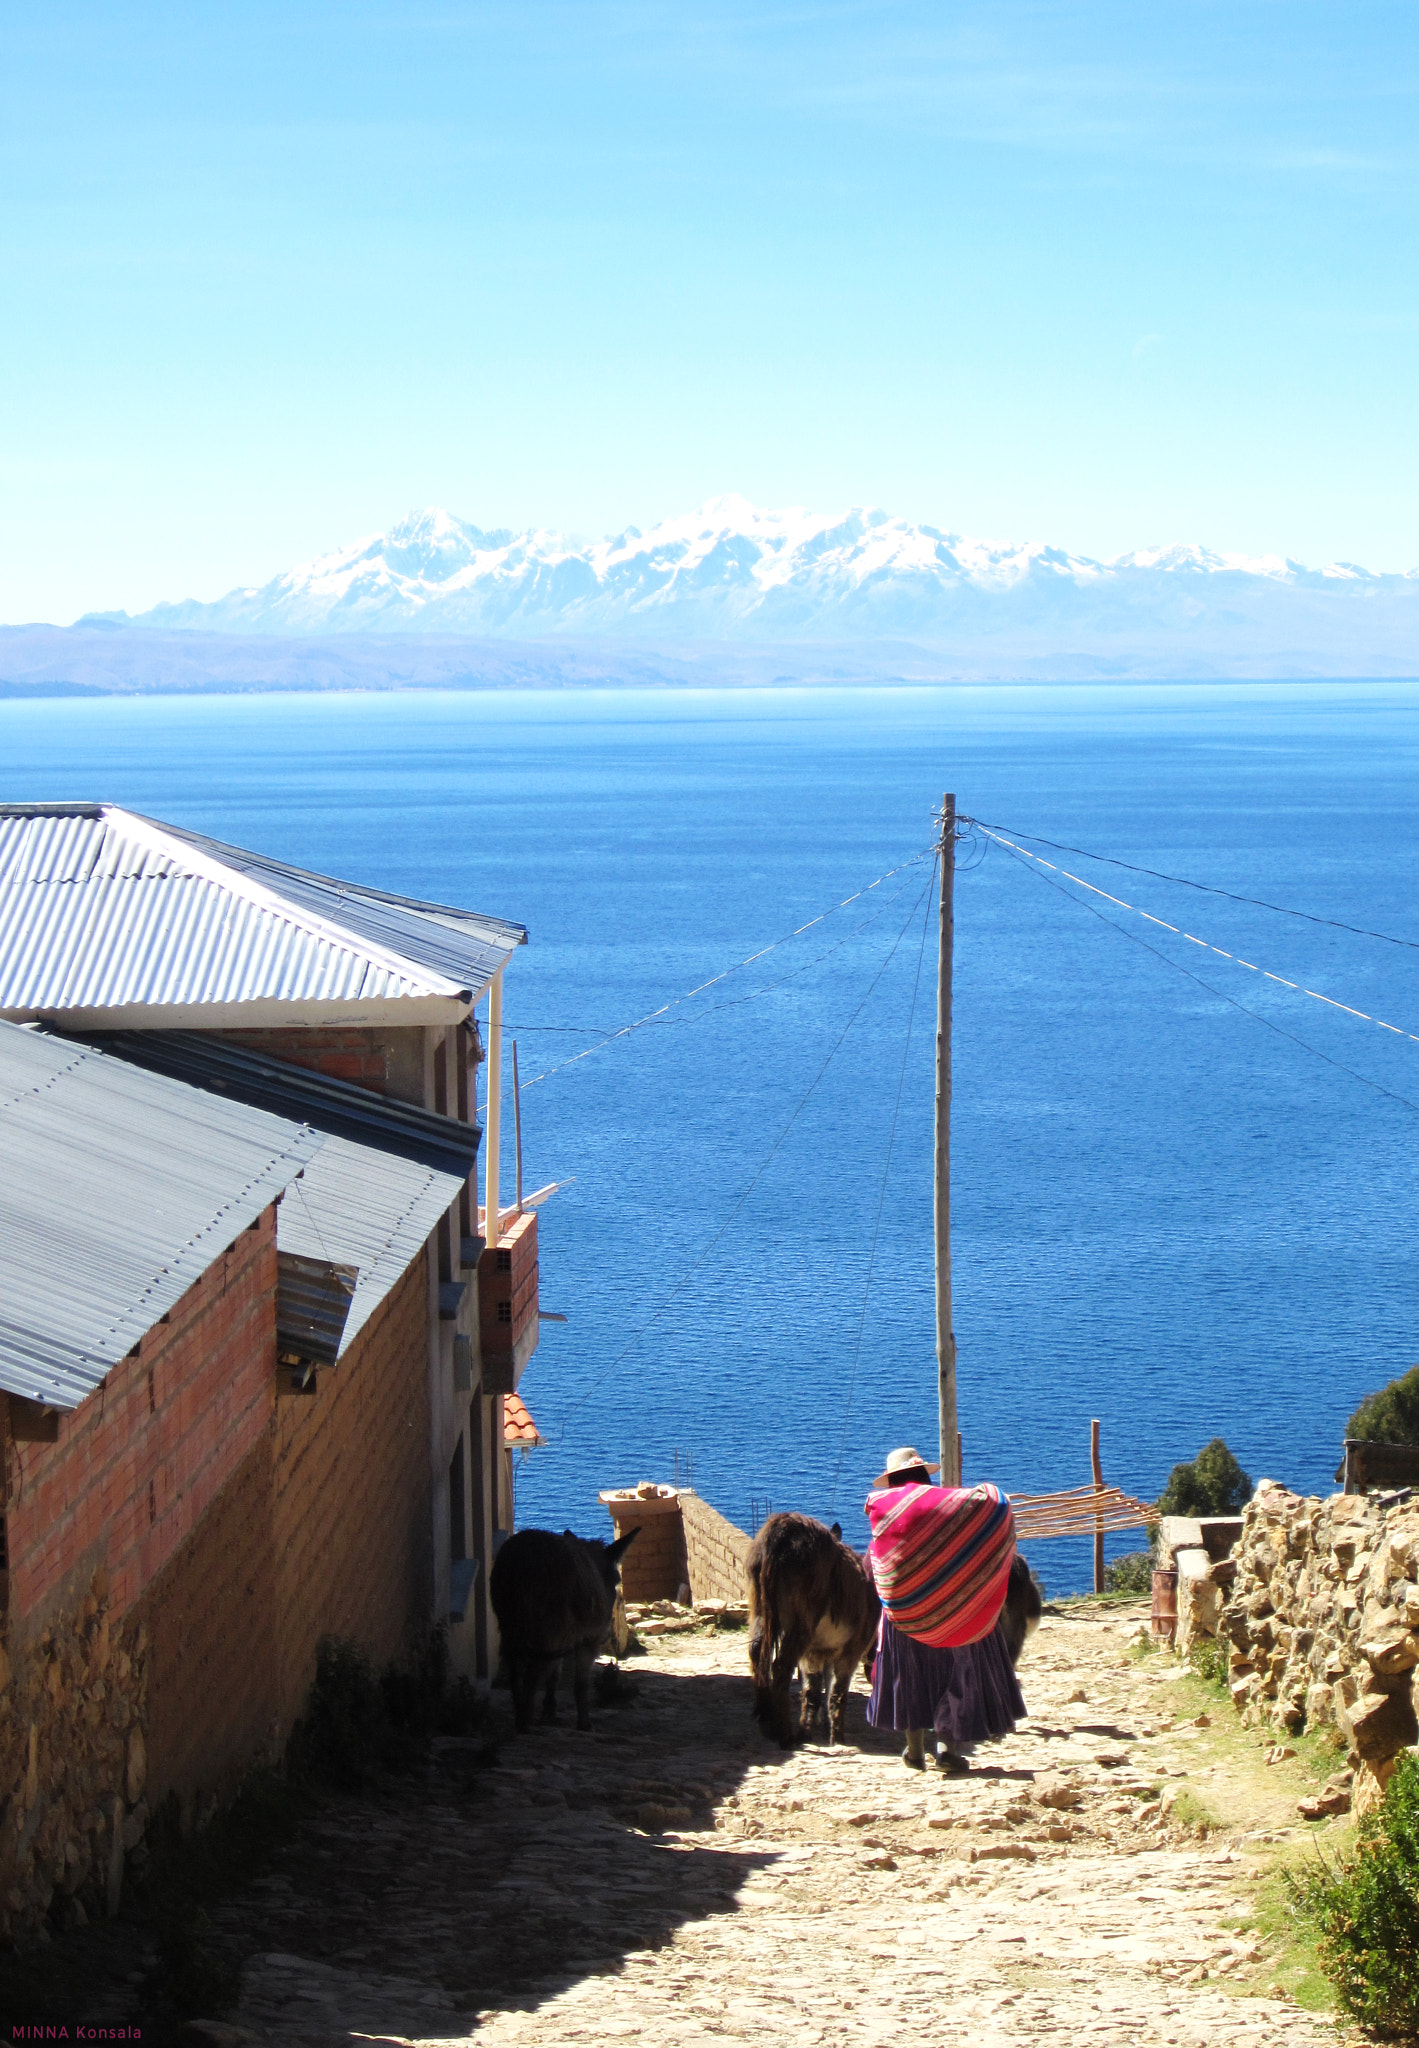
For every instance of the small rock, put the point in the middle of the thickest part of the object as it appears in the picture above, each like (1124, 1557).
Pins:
(994, 1851)
(1077, 1696)
(884, 1861)
(653, 1818)
(1279, 1752)
(1335, 1799)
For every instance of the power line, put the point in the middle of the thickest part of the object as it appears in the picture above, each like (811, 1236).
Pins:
(674, 1002)
(882, 1194)
(1255, 902)
(600, 1031)
(1255, 1015)
(1297, 988)
(763, 1168)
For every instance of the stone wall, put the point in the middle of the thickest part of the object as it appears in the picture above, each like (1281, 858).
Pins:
(715, 1551)
(73, 1762)
(1322, 1625)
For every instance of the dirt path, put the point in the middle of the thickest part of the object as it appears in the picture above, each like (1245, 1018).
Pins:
(670, 1878)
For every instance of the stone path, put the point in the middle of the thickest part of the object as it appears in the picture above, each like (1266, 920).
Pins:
(671, 1879)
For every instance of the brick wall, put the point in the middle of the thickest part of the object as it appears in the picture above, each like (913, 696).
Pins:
(655, 1566)
(137, 1463)
(345, 1053)
(352, 1511)
(209, 1624)
(715, 1550)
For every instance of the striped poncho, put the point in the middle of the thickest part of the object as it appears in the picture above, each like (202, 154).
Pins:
(941, 1557)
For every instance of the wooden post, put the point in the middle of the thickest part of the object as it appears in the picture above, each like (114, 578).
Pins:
(493, 1135)
(945, 1335)
(1098, 1520)
(517, 1123)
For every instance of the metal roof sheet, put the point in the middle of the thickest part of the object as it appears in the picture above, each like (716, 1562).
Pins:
(383, 1177)
(119, 1189)
(104, 910)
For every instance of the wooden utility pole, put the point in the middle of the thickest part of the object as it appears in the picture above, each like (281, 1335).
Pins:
(1098, 1468)
(945, 1336)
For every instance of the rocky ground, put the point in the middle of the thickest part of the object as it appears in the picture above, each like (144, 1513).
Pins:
(671, 1878)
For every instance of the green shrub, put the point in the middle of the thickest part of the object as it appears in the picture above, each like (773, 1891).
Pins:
(1207, 1655)
(1366, 1912)
(345, 1735)
(358, 1723)
(1131, 1573)
(1213, 1484)
(1392, 1415)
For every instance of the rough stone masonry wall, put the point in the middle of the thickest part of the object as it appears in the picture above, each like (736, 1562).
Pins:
(715, 1551)
(1323, 1623)
(93, 1520)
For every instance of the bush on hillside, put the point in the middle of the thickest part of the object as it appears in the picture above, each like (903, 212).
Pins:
(1366, 1912)
(1131, 1573)
(1213, 1484)
(1392, 1415)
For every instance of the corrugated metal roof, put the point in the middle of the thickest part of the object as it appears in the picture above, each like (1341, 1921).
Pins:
(119, 1188)
(104, 910)
(313, 1298)
(383, 1177)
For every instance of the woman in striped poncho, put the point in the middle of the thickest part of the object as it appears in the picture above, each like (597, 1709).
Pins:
(941, 1558)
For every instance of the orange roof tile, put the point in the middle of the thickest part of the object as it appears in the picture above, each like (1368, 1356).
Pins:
(519, 1429)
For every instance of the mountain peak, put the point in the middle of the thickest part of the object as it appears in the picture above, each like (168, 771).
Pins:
(732, 570)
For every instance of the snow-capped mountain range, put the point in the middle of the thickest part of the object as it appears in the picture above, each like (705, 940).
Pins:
(731, 572)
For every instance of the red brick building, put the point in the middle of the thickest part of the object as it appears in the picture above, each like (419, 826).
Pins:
(307, 1434)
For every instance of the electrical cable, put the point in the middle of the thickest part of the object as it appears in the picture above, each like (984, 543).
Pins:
(1255, 902)
(882, 1194)
(1296, 987)
(773, 946)
(1177, 965)
(763, 1168)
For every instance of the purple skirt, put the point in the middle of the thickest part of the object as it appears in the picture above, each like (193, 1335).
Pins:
(966, 1695)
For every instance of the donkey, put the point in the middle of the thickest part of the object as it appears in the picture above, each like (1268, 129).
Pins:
(812, 1604)
(554, 1597)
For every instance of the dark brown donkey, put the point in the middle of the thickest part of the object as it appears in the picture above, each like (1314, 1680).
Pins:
(553, 1596)
(811, 1605)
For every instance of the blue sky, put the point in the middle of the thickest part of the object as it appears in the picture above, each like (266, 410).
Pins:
(1107, 276)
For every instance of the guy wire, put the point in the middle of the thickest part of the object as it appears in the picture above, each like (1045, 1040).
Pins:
(1256, 902)
(763, 1168)
(1255, 1015)
(882, 1191)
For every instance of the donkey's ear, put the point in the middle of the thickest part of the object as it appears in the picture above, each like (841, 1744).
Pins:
(838, 1531)
(622, 1545)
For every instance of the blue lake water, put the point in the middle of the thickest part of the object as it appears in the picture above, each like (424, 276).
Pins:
(1167, 1214)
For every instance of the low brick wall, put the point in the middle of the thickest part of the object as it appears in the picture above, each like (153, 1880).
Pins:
(683, 1542)
(1323, 1623)
(715, 1551)
(655, 1567)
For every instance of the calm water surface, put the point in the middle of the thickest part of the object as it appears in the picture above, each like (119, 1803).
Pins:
(1168, 1214)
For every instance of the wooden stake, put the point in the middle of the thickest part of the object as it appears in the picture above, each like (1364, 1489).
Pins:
(1098, 1519)
(945, 1335)
(517, 1123)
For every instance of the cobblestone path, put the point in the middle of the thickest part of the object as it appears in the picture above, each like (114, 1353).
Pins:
(671, 1878)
